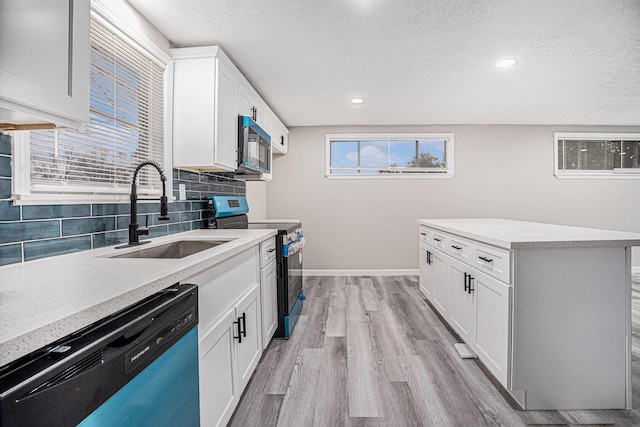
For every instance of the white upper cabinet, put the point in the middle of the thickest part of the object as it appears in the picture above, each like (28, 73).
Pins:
(209, 93)
(205, 120)
(279, 137)
(44, 62)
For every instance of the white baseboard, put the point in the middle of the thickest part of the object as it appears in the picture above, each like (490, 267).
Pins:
(408, 272)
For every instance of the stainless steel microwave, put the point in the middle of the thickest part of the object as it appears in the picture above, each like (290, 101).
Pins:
(254, 147)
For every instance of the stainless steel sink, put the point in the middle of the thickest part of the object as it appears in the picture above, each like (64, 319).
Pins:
(177, 249)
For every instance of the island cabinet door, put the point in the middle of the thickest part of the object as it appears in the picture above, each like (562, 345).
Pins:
(219, 391)
(426, 271)
(462, 315)
(492, 325)
(440, 294)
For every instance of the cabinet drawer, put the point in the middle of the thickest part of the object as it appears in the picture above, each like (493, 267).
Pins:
(424, 234)
(267, 252)
(495, 262)
(438, 240)
(461, 249)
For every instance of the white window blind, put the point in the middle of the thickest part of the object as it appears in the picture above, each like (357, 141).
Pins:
(125, 126)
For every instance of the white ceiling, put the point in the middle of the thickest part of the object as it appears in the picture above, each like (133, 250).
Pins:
(424, 61)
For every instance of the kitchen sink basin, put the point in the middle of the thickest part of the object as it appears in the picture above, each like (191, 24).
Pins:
(175, 250)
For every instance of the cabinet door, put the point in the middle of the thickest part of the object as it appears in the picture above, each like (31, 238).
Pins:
(280, 140)
(269, 296)
(44, 59)
(440, 294)
(219, 391)
(462, 316)
(227, 120)
(249, 313)
(492, 329)
(426, 272)
(247, 102)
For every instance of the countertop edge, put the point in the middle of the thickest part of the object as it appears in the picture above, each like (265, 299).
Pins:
(611, 241)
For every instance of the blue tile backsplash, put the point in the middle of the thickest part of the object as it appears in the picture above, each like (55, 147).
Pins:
(32, 232)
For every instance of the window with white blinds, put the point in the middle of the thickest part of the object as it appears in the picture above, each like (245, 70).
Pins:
(125, 127)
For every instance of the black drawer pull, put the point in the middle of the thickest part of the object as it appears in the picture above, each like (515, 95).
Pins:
(456, 247)
(271, 250)
(437, 240)
(423, 234)
(428, 258)
(466, 277)
(485, 259)
(470, 288)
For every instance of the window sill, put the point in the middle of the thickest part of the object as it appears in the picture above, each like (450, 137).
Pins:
(394, 176)
(73, 199)
(606, 175)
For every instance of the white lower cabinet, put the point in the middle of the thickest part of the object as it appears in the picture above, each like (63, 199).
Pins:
(426, 272)
(474, 304)
(462, 316)
(249, 334)
(230, 333)
(219, 389)
(229, 353)
(492, 324)
(440, 295)
(269, 295)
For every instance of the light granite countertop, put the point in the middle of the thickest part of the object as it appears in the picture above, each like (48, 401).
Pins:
(510, 234)
(44, 300)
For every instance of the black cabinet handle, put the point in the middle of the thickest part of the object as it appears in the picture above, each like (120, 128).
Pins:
(271, 250)
(254, 113)
(428, 258)
(239, 337)
(244, 324)
(456, 247)
(423, 234)
(470, 288)
(485, 259)
(466, 277)
(437, 240)
(281, 140)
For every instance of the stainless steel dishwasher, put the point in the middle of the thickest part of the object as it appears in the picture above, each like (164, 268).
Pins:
(138, 367)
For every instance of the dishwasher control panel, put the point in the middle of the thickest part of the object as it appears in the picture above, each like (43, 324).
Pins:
(158, 342)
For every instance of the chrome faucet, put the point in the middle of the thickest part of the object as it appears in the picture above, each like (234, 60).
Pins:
(134, 230)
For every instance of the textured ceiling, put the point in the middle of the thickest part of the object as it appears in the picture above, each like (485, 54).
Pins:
(424, 61)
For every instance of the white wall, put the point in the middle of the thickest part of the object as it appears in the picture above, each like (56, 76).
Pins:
(257, 200)
(501, 171)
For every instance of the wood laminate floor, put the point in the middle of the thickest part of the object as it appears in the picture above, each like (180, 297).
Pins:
(369, 351)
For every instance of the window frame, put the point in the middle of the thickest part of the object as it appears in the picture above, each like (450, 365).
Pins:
(418, 174)
(22, 191)
(620, 173)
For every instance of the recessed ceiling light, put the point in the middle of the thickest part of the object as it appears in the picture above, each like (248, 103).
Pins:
(506, 63)
(356, 100)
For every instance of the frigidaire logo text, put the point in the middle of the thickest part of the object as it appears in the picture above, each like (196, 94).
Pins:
(143, 351)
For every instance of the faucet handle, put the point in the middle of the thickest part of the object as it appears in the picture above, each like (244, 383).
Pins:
(144, 230)
(164, 209)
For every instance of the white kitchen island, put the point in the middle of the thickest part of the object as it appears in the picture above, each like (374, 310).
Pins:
(546, 308)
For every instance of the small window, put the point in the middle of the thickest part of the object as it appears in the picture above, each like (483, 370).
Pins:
(126, 127)
(597, 155)
(352, 156)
